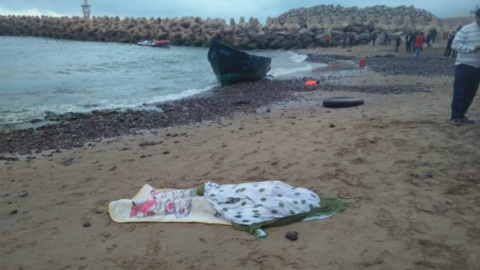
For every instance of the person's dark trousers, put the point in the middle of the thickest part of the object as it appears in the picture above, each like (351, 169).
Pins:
(407, 45)
(447, 52)
(465, 86)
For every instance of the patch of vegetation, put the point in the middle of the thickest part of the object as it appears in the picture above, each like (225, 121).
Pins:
(197, 43)
(177, 42)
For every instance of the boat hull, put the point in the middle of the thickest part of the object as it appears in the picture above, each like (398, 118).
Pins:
(232, 66)
(151, 43)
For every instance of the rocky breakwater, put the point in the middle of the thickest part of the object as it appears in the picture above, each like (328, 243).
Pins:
(296, 29)
(190, 31)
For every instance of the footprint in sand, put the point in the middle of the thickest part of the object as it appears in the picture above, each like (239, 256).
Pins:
(399, 143)
(386, 220)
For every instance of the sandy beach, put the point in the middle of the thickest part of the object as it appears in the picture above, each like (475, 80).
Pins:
(410, 180)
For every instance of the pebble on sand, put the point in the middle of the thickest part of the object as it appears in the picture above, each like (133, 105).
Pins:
(292, 236)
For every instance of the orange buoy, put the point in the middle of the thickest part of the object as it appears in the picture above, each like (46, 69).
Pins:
(311, 82)
(362, 62)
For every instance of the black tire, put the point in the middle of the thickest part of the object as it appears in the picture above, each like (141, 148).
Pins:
(342, 102)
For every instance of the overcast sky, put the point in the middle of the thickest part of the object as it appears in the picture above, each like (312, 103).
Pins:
(225, 9)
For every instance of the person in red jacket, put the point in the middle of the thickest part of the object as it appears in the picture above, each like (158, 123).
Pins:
(328, 38)
(418, 46)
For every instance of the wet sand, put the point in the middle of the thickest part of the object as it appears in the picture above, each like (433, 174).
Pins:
(410, 180)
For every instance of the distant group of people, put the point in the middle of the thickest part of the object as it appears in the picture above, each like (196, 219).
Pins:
(414, 41)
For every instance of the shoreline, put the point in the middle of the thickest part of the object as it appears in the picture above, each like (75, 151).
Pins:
(221, 102)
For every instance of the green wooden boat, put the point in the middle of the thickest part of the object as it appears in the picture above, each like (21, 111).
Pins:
(232, 66)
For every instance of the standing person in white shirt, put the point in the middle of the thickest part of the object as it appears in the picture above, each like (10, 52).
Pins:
(467, 70)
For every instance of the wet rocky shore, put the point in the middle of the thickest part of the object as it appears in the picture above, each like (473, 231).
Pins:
(430, 64)
(219, 103)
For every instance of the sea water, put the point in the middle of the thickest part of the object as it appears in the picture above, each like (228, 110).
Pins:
(40, 76)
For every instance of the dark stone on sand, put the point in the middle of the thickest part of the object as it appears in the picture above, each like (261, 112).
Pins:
(67, 162)
(9, 158)
(13, 212)
(87, 224)
(25, 194)
(166, 152)
(292, 236)
(142, 144)
(440, 208)
(241, 102)
(331, 126)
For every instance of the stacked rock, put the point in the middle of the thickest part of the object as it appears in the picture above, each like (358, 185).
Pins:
(297, 28)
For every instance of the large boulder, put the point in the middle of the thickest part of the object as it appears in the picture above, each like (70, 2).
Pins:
(277, 42)
(241, 24)
(420, 25)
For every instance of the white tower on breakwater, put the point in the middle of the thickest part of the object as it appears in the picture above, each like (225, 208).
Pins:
(86, 9)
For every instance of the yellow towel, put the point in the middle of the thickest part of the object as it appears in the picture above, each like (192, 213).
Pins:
(164, 205)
